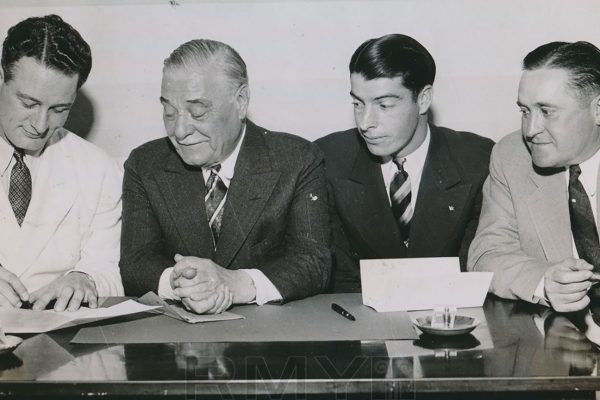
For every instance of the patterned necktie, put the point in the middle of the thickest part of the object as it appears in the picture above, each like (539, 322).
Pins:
(400, 195)
(19, 192)
(216, 191)
(583, 224)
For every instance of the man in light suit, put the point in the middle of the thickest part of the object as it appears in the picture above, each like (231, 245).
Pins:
(538, 226)
(60, 211)
(431, 207)
(222, 211)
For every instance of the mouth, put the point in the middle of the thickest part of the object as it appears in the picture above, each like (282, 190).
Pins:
(32, 135)
(373, 139)
(191, 144)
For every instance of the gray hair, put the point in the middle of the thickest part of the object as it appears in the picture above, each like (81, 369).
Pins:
(199, 52)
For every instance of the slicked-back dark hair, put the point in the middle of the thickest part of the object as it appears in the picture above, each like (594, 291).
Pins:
(580, 59)
(50, 41)
(393, 56)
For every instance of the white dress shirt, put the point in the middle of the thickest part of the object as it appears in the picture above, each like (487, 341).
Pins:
(265, 290)
(589, 180)
(413, 166)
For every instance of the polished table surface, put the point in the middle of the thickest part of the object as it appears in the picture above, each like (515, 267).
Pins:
(518, 349)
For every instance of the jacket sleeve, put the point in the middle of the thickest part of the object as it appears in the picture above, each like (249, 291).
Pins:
(99, 257)
(497, 247)
(142, 241)
(303, 267)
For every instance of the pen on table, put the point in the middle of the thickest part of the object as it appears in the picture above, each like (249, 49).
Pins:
(340, 310)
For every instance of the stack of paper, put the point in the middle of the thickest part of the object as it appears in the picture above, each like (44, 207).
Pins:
(421, 283)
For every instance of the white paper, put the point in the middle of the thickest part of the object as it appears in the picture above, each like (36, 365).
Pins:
(29, 321)
(408, 284)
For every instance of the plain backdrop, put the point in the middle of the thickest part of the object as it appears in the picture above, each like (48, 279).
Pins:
(297, 53)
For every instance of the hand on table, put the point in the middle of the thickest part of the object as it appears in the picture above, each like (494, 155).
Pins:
(12, 291)
(567, 283)
(70, 291)
(206, 287)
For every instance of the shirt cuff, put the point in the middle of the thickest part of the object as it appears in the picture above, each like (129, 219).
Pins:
(539, 296)
(165, 290)
(266, 292)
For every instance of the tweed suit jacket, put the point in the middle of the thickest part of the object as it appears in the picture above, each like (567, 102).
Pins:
(445, 215)
(275, 216)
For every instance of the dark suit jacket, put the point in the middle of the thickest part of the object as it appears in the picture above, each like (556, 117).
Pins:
(275, 217)
(445, 216)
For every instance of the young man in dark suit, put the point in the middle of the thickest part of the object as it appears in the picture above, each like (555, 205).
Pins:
(399, 187)
(222, 211)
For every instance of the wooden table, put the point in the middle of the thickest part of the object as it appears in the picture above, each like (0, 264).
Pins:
(518, 351)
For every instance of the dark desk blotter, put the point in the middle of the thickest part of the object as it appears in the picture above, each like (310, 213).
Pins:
(310, 319)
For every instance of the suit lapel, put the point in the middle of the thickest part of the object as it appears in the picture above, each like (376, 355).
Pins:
(364, 201)
(440, 199)
(548, 206)
(183, 191)
(52, 198)
(252, 184)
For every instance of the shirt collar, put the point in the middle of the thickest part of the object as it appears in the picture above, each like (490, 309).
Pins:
(6, 155)
(417, 157)
(228, 165)
(589, 173)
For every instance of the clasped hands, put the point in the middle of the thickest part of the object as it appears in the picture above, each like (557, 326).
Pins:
(207, 288)
(69, 291)
(567, 283)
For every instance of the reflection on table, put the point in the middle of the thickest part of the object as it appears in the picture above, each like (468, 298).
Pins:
(517, 347)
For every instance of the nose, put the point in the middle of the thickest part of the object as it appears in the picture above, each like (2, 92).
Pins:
(532, 125)
(39, 122)
(366, 119)
(182, 127)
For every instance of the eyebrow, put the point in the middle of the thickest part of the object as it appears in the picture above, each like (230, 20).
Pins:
(539, 104)
(28, 97)
(202, 102)
(383, 96)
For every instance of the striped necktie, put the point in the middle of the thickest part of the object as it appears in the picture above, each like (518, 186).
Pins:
(400, 194)
(583, 223)
(216, 193)
(19, 192)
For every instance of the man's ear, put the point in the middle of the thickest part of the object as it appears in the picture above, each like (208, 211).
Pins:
(595, 105)
(242, 99)
(424, 99)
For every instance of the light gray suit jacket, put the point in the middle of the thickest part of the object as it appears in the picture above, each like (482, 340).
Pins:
(524, 225)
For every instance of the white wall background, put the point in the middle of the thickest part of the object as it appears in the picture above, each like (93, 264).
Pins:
(297, 53)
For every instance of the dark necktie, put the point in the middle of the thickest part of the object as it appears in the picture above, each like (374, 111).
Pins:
(583, 224)
(19, 192)
(216, 192)
(400, 194)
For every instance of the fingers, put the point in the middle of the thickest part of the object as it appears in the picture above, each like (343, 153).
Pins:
(8, 295)
(45, 297)
(63, 299)
(209, 302)
(568, 303)
(570, 276)
(13, 284)
(9, 301)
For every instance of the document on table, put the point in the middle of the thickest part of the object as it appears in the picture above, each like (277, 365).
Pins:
(176, 310)
(421, 283)
(30, 321)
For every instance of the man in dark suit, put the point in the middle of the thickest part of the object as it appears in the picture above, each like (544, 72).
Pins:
(398, 186)
(222, 211)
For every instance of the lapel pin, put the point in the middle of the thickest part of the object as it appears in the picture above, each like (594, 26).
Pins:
(451, 208)
(313, 197)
